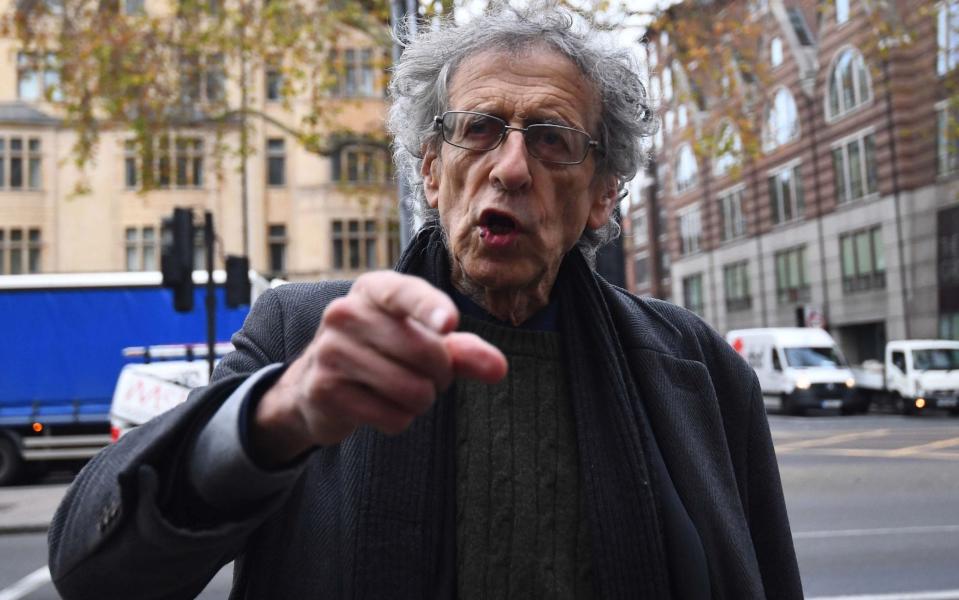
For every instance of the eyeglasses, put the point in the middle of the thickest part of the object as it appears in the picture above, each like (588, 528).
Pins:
(481, 132)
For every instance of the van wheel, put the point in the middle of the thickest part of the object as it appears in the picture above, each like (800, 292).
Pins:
(11, 463)
(791, 407)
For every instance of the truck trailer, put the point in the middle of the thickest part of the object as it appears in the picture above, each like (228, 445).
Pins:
(62, 353)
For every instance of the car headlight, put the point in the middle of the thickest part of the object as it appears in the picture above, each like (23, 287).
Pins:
(850, 383)
(802, 383)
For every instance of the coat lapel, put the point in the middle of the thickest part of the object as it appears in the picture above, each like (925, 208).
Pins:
(681, 405)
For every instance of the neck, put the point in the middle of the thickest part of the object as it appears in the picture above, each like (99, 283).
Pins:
(513, 305)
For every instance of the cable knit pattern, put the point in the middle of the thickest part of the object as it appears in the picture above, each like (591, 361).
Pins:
(520, 532)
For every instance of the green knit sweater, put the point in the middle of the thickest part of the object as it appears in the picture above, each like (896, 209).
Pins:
(520, 530)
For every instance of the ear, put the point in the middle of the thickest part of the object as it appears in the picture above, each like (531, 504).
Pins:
(604, 201)
(430, 171)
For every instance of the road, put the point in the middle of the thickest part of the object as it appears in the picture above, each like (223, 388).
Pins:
(872, 499)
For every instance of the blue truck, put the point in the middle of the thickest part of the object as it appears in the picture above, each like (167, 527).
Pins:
(61, 353)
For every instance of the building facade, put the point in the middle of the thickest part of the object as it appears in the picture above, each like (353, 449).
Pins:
(304, 215)
(846, 214)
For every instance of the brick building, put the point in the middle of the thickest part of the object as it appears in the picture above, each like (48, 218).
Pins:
(848, 212)
(307, 216)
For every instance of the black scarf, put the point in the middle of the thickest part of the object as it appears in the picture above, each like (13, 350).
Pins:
(407, 521)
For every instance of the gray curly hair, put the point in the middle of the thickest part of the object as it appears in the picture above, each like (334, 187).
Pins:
(419, 91)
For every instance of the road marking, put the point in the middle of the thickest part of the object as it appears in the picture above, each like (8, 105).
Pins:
(27, 585)
(937, 445)
(876, 453)
(832, 439)
(940, 595)
(830, 533)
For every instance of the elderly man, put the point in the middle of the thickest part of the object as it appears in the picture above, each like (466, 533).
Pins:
(366, 441)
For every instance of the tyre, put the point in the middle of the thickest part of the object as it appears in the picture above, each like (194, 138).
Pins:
(791, 406)
(903, 406)
(11, 463)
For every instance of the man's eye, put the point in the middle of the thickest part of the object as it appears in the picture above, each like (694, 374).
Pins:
(479, 127)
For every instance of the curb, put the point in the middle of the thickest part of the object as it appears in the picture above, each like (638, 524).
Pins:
(23, 529)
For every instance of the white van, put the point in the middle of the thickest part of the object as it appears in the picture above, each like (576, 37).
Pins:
(798, 368)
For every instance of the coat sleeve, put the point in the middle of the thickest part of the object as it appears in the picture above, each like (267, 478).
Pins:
(766, 507)
(114, 535)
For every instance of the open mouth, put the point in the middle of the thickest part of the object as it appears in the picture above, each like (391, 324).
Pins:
(497, 224)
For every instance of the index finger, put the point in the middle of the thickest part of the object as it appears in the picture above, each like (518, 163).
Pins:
(408, 296)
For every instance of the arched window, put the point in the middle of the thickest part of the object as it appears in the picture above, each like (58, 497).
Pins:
(849, 84)
(682, 116)
(776, 52)
(729, 150)
(686, 169)
(782, 121)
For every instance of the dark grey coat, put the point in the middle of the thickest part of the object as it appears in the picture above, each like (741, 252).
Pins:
(362, 521)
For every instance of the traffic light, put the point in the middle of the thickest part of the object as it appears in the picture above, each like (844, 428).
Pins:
(176, 258)
(237, 281)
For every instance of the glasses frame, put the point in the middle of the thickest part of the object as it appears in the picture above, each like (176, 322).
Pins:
(591, 143)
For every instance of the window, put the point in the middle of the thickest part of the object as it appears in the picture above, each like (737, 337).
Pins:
(134, 7)
(731, 210)
(729, 150)
(690, 230)
(355, 71)
(361, 164)
(682, 116)
(792, 284)
(842, 11)
(202, 78)
(686, 169)
(20, 255)
(693, 293)
(667, 84)
(20, 164)
(782, 121)
(736, 286)
(854, 167)
(393, 241)
(141, 249)
(276, 239)
(949, 326)
(641, 269)
(947, 140)
(899, 360)
(947, 36)
(355, 247)
(776, 52)
(863, 261)
(38, 77)
(786, 195)
(274, 83)
(166, 162)
(849, 85)
(275, 162)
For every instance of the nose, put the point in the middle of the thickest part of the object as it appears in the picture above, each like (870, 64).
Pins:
(510, 170)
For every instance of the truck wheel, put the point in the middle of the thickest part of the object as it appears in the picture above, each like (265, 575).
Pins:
(11, 463)
(903, 406)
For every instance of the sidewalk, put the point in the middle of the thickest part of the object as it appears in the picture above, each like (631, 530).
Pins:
(28, 509)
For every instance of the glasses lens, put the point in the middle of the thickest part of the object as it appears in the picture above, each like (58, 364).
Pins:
(471, 130)
(557, 144)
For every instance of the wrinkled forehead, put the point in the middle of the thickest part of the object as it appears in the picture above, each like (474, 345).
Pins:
(528, 76)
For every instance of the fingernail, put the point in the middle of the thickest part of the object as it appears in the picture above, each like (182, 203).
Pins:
(438, 319)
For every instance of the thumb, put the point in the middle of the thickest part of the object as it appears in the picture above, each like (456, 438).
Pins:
(475, 358)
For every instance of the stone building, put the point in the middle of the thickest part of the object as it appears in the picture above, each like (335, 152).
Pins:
(847, 215)
(306, 215)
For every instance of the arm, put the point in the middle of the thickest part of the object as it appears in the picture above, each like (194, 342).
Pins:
(377, 359)
(112, 535)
